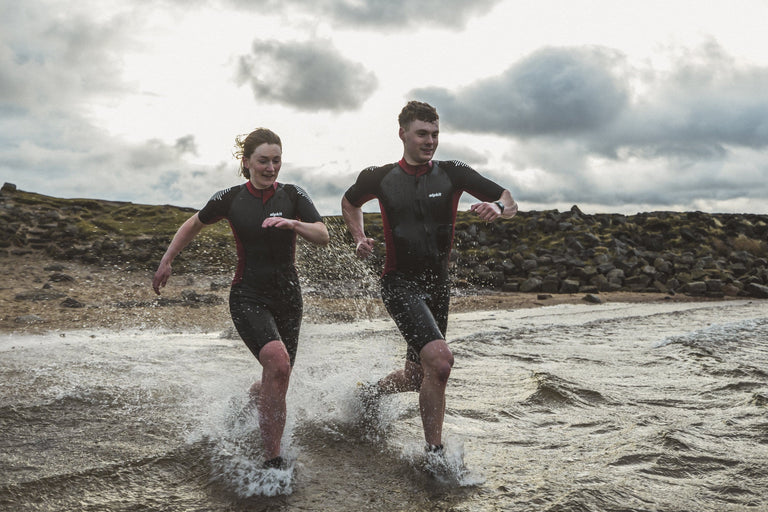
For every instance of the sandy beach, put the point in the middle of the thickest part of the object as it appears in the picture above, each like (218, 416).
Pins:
(41, 295)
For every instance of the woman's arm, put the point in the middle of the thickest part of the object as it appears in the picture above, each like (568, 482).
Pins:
(186, 233)
(314, 232)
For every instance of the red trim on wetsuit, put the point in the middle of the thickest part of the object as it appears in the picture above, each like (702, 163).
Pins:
(264, 194)
(390, 259)
(240, 269)
(456, 198)
(390, 256)
(415, 170)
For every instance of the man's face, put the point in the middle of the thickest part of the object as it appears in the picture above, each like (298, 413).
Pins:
(419, 141)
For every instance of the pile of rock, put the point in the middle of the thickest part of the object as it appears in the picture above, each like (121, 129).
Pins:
(695, 253)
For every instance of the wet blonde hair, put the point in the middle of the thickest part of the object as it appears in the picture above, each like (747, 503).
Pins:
(245, 145)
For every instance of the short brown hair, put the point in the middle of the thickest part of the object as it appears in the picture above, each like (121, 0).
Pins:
(246, 144)
(417, 110)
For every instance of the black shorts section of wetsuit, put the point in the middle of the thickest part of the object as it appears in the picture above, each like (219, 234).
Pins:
(418, 307)
(259, 319)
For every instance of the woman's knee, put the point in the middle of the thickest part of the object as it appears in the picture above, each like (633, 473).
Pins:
(275, 360)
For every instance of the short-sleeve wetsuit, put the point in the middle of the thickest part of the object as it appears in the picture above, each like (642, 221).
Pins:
(265, 299)
(418, 208)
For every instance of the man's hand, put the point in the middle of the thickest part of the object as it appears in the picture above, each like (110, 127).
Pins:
(364, 248)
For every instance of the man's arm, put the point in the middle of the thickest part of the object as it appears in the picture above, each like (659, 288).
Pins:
(491, 211)
(353, 218)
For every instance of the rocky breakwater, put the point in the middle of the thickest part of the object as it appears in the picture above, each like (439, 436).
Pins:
(699, 254)
(695, 253)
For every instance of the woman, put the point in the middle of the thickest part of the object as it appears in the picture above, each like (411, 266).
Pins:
(265, 298)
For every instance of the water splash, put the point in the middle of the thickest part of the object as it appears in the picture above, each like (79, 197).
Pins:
(334, 273)
(446, 468)
(234, 452)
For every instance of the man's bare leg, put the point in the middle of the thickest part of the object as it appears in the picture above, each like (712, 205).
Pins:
(430, 379)
(436, 361)
(399, 381)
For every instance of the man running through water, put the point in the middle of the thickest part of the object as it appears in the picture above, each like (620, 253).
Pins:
(418, 198)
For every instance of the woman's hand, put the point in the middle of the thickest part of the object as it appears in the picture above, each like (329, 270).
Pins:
(314, 232)
(280, 223)
(161, 276)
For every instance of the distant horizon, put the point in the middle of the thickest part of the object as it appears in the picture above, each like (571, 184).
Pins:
(522, 210)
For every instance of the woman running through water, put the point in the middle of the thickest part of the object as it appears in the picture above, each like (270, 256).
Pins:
(265, 299)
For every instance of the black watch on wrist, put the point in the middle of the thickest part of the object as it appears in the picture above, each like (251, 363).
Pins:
(500, 205)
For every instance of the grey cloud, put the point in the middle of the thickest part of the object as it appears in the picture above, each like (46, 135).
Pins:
(393, 13)
(307, 75)
(383, 14)
(325, 184)
(705, 105)
(655, 183)
(553, 91)
(464, 153)
(66, 156)
(50, 57)
(186, 144)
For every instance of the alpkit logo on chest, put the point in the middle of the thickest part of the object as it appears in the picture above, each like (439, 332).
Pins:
(276, 214)
(435, 194)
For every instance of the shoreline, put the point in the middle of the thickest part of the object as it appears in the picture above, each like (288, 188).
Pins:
(43, 295)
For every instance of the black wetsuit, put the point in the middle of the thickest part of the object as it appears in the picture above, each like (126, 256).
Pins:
(265, 299)
(418, 208)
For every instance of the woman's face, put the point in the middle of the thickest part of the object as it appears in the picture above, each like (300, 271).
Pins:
(264, 165)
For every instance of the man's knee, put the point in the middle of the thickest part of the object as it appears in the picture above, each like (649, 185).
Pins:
(442, 370)
(437, 360)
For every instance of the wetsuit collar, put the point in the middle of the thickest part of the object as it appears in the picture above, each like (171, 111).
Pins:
(415, 170)
(264, 194)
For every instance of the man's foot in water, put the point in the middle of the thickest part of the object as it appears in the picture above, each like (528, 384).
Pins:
(275, 463)
(369, 396)
(440, 466)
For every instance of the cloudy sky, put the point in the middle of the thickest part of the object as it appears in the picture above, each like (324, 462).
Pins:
(615, 106)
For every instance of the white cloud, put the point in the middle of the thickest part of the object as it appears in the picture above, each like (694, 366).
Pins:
(563, 103)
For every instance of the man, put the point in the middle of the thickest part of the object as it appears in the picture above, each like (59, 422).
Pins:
(418, 198)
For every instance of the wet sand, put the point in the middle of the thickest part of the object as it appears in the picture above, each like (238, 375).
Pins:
(64, 296)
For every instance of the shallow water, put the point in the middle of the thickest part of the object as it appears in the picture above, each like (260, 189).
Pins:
(569, 408)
